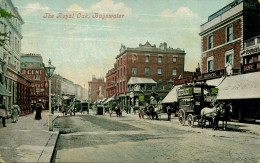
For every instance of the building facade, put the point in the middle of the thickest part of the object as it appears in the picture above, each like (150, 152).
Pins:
(161, 64)
(111, 83)
(67, 87)
(96, 89)
(33, 68)
(230, 48)
(11, 80)
(222, 36)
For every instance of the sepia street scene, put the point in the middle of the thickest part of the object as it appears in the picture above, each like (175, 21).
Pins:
(130, 81)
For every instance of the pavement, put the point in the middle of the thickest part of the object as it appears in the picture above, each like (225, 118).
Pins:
(28, 140)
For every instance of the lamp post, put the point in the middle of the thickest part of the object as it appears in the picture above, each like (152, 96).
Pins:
(50, 69)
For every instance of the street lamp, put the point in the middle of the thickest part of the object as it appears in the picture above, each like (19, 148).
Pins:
(50, 69)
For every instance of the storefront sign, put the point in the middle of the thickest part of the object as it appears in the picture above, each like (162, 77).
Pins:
(184, 91)
(249, 51)
(251, 67)
(141, 98)
(210, 75)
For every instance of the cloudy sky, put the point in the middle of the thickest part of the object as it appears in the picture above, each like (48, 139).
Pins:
(82, 47)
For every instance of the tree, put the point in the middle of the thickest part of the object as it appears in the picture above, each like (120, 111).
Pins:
(4, 35)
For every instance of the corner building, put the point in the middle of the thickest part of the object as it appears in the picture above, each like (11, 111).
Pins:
(222, 36)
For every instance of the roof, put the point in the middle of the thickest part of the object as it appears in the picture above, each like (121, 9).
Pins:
(139, 80)
(244, 86)
(172, 95)
(28, 59)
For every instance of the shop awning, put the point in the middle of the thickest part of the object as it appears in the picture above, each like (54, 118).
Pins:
(108, 100)
(3, 91)
(172, 95)
(245, 86)
(215, 82)
(138, 80)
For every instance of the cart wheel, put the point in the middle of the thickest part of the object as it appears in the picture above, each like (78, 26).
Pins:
(190, 120)
(182, 116)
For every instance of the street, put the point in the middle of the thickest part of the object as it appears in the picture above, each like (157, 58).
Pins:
(87, 138)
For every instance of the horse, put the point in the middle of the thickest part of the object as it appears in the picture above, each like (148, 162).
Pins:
(212, 115)
(225, 114)
(152, 113)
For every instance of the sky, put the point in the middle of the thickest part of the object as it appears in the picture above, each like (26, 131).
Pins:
(82, 47)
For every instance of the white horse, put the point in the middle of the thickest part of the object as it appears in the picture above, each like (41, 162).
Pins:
(212, 115)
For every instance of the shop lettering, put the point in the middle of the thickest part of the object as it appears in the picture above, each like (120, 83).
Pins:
(251, 51)
(32, 72)
(248, 67)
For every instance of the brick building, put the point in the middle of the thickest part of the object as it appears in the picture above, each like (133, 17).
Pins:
(33, 68)
(97, 89)
(111, 83)
(222, 36)
(160, 64)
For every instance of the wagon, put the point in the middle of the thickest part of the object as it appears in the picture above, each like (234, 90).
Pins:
(192, 98)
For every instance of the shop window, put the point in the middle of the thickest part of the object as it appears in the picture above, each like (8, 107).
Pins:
(159, 71)
(146, 71)
(133, 71)
(229, 33)
(210, 42)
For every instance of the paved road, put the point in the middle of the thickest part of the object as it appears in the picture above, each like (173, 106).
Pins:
(101, 139)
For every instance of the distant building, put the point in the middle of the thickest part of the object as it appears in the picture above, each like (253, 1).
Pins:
(33, 68)
(67, 87)
(111, 83)
(97, 89)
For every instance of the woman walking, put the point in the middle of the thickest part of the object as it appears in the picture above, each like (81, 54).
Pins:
(39, 108)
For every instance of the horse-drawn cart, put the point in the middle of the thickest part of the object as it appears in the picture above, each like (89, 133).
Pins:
(192, 99)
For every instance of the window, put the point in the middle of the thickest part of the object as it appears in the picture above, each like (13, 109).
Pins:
(229, 57)
(159, 59)
(133, 71)
(159, 71)
(147, 59)
(229, 33)
(174, 59)
(146, 71)
(174, 72)
(259, 57)
(210, 65)
(210, 42)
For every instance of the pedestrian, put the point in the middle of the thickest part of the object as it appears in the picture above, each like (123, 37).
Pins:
(63, 110)
(110, 112)
(141, 112)
(15, 112)
(117, 110)
(169, 112)
(3, 114)
(39, 107)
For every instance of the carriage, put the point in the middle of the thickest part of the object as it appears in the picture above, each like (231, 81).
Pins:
(192, 98)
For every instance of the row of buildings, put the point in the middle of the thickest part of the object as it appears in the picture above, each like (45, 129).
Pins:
(23, 77)
(139, 72)
(230, 60)
(14, 86)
